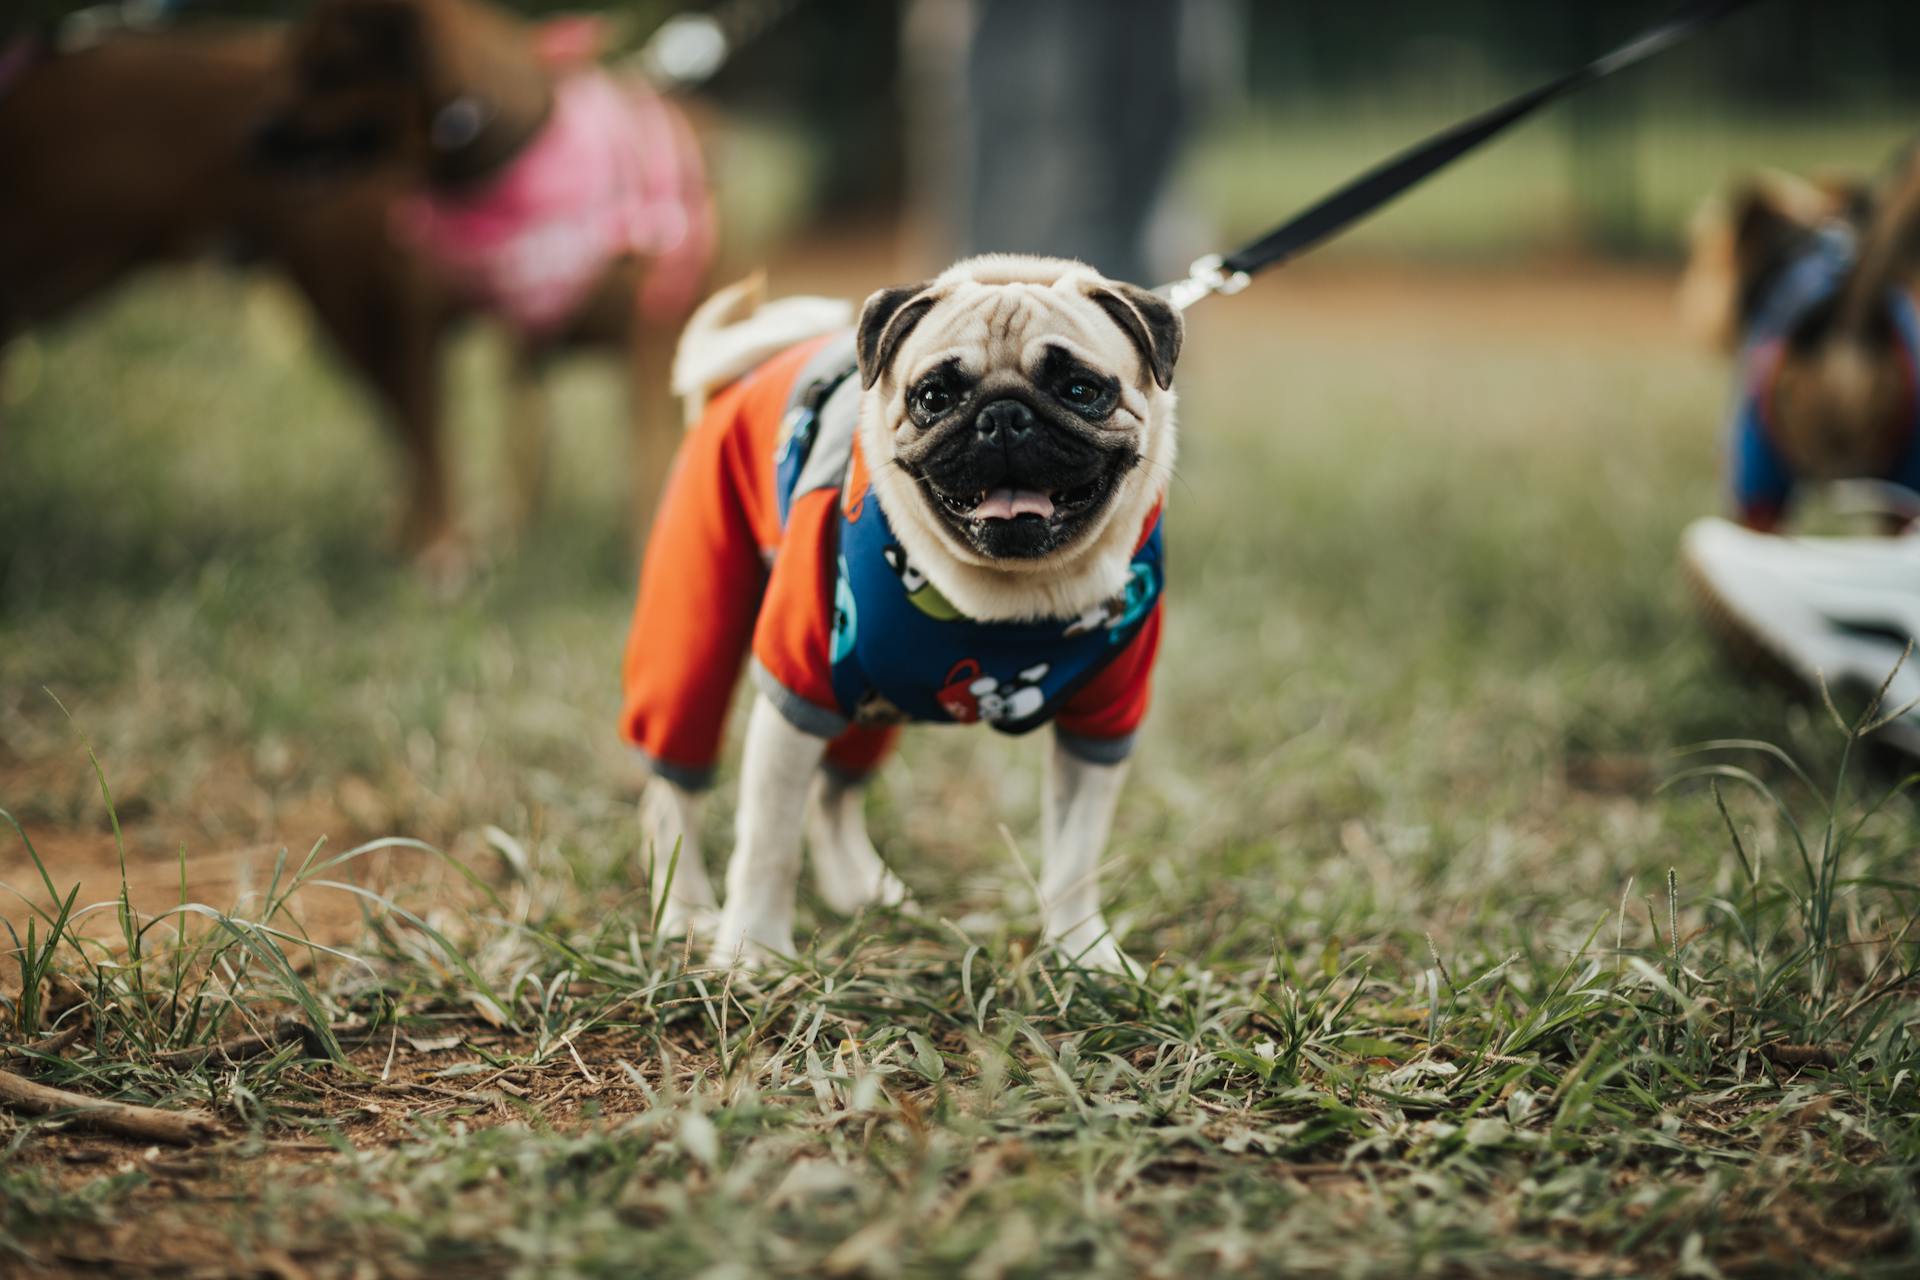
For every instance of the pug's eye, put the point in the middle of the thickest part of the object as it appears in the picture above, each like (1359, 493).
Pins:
(1087, 394)
(1081, 393)
(931, 399)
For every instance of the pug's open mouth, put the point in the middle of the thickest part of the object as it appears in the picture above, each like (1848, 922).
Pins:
(1021, 519)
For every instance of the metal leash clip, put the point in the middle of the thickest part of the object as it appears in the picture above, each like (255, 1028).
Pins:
(1207, 276)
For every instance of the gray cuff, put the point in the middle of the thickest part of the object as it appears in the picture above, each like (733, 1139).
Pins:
(799, 713)
(680, 775)
(1094, 750)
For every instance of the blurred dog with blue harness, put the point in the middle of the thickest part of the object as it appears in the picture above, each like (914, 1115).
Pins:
(1808, 283)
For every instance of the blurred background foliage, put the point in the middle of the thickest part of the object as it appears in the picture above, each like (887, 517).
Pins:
(1300, 95)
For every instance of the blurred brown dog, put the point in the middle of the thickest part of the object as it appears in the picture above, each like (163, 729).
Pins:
(138, 151)
(1808, 281)
(148, 148)
(573, 209)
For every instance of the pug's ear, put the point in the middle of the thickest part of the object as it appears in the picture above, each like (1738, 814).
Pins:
(1148, 319)
(885, 321)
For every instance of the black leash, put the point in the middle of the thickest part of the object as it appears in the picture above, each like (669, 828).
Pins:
(1394, 177)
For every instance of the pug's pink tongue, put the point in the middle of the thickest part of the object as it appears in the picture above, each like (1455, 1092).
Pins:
(1005, 504)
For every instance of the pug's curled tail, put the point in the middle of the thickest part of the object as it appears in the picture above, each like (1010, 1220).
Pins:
(737, 330)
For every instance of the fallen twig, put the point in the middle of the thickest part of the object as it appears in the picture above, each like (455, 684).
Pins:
(150, 1124)
(238, 1049)
(1801, 1055)
(500, 1091)
(46, 1047)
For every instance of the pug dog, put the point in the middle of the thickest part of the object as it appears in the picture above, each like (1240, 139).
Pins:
(1008, 430)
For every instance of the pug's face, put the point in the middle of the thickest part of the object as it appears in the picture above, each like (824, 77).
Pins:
(1018, 408)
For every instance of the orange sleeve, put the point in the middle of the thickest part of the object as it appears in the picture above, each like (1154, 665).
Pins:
(1109, 707)
(792, 639)
(694, 617)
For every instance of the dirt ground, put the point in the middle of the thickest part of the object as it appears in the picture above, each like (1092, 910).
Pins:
(164, 1228)
(223, 850)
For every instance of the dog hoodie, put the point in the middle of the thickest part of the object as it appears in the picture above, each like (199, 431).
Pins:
(613, 172)
(771, 540)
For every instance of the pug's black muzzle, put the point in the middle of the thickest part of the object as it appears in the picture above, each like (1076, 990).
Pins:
(1015, 484)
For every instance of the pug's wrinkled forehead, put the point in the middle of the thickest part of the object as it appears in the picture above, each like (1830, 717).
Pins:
(1013, 313)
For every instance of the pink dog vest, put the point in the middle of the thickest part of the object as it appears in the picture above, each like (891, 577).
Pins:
(614, 172)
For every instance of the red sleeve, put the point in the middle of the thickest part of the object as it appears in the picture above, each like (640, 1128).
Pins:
(1112, 704)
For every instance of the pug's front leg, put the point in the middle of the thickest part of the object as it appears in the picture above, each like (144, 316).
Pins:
(682, 895)
(756, 921)
(1076, 815)
(846, 868)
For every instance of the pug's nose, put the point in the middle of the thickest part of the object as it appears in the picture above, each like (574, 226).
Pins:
(1004, 423)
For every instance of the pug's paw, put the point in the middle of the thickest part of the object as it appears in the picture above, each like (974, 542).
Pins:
(696, 921)
(1090, 945)
(740, 942)
(851, 884)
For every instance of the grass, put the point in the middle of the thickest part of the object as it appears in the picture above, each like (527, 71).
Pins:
(1630, 185)
(1462, 959)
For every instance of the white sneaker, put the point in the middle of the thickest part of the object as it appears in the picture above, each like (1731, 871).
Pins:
(1840, 610)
